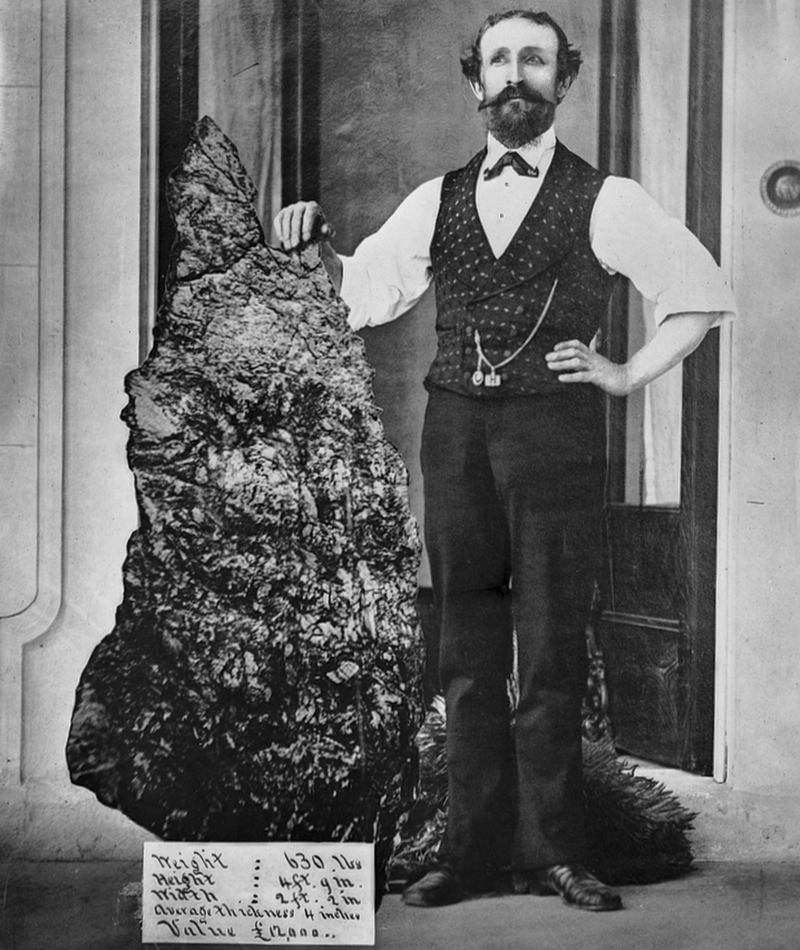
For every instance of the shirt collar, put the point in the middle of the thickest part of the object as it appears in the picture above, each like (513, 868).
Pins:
(532, 153)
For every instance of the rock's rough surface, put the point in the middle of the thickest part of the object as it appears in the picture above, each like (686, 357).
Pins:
(263, 677)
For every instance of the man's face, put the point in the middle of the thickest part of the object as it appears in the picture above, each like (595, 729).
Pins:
(518, 85)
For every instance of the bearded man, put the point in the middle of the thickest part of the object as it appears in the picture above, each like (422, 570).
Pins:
(525, 244)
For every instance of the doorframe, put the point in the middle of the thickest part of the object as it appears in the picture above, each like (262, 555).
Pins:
(700, 456)
(724, 718)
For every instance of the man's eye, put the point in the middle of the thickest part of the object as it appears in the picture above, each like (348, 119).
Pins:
(533, 60)
(497, 58)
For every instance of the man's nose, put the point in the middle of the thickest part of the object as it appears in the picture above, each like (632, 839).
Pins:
(513, 74)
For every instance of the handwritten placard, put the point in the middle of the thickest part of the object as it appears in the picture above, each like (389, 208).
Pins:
(278, 894)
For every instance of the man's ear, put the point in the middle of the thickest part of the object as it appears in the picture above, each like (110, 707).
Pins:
(562, 87)
(477, 89)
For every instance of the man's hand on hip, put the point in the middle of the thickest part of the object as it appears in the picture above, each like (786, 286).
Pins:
(678, 335)
(575, 362)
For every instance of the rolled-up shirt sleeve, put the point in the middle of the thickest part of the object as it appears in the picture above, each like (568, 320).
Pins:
(631, 234)
(391, 269)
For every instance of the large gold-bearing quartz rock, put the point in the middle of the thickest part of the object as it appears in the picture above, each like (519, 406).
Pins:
(263, 678)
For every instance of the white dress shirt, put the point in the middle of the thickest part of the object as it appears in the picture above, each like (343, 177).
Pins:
(629, 233)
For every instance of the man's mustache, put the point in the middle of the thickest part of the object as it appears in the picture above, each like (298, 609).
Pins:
(507, 93)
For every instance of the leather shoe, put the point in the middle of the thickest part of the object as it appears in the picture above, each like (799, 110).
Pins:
(437, 888)
(576, 887)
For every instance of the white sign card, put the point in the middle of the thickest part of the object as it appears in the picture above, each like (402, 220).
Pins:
(259, 894)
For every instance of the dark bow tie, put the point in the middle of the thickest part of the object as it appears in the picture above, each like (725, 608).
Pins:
(517, 162)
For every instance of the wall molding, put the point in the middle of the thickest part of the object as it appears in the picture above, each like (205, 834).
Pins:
(37, 618)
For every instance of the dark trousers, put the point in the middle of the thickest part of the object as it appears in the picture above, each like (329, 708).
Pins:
(513, 502)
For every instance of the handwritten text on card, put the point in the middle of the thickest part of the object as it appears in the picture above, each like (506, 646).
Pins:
(278, 894)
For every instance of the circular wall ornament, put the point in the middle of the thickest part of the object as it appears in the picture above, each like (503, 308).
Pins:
(780, 188)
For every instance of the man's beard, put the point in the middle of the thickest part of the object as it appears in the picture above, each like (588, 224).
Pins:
(518, 116)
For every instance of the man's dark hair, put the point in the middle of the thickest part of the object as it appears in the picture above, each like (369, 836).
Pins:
(569, 58)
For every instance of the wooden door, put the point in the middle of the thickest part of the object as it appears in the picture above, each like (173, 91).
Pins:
(657, 629)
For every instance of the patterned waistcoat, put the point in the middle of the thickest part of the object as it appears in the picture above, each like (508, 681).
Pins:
(502, 298)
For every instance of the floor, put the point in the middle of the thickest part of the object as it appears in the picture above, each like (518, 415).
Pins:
(94, 906)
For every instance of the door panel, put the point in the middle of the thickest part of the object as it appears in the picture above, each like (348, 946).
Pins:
(644, 634)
